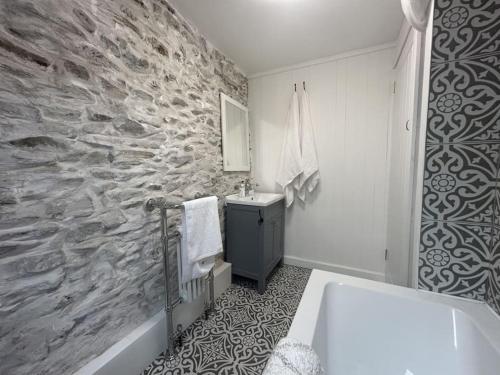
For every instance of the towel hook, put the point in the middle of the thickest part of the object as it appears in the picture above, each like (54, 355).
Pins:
(295, 87)
(304, 85)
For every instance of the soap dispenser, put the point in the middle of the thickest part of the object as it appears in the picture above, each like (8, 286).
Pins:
(242, 189)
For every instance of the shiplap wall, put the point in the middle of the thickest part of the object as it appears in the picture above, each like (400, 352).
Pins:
(343, 225)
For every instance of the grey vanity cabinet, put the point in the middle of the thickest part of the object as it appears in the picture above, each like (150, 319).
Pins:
(255, 240)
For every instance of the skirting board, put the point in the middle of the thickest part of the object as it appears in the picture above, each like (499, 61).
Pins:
(351, 271)
(139, 348)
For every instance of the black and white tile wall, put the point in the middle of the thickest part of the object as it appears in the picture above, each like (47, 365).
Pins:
(493, 291)
(459, 252)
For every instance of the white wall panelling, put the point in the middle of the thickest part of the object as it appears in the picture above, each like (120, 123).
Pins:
(343, 224)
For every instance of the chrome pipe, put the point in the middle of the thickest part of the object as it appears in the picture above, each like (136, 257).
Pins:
(152, 203)
(163, 206)
(170, 351)
(211, 306)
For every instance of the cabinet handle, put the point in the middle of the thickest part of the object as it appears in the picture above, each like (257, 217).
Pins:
(261, 219)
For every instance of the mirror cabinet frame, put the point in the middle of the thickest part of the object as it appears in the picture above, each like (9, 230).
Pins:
(225, 141)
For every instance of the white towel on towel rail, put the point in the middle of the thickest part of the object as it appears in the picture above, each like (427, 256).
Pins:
(290, 164)
(201, 237)
(191, 290)
(309, 177)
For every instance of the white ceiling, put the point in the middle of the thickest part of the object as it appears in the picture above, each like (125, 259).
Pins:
(261, 35)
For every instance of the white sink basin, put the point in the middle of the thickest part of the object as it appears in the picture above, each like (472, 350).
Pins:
(258, 199)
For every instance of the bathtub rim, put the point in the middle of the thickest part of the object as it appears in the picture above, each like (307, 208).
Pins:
(304, 323)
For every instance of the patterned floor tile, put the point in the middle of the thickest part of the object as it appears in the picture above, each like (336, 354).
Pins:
(242, 333)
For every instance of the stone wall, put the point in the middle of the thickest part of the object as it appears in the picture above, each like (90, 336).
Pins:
(462, 153)
(102, 105)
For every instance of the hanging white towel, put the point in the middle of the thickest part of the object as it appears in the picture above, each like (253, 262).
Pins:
(309, 177)
(201, 237)
(290, 164)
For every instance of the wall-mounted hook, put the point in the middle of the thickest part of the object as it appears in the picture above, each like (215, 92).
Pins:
(295, 87)
(304, 85)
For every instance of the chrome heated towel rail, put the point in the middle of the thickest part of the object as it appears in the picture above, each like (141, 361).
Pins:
(163, 205)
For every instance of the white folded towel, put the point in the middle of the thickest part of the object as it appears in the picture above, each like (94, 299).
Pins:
(291, 357)
(309, 177)
(201, 237)
(290, 164)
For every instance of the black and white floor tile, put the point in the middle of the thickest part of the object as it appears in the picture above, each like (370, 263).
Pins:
(242, 333)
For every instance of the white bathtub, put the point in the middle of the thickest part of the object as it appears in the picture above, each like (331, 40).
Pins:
(361, 327)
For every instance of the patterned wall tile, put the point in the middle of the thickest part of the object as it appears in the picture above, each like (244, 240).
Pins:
(496, 205)
(465, 28)
(463, 141)
(493, 293)
(464, 101)
(459, 182)
(454, 258)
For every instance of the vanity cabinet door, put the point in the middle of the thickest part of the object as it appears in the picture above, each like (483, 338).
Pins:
(278, 239)
(273, 236)
(268, 244)
(243, 240)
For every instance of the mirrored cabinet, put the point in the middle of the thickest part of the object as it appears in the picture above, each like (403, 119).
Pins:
(235, 135)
